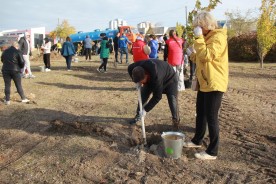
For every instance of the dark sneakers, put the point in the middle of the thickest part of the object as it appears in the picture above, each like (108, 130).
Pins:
(135, 120)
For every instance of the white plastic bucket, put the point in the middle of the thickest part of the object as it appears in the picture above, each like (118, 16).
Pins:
(173, 144)
(42, 68)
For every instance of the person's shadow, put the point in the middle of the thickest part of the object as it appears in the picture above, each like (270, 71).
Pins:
(47, 122)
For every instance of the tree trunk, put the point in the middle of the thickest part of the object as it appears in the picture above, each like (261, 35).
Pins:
(260, 54)
(262, 61)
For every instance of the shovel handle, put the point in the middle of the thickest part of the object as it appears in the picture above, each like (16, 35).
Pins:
(142, 118)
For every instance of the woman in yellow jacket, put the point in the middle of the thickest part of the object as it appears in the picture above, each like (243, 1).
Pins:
(210, 53)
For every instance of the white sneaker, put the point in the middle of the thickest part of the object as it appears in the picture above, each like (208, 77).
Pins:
(7, 102)
(25, 100)
(204, 156)
(31, 76)
(47, 70)
(190, 144)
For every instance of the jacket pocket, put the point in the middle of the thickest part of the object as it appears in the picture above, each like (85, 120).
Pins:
(204, 77)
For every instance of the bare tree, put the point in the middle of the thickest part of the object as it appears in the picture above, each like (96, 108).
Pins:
(240, 23)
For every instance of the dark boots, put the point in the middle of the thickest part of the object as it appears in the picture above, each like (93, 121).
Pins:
(135, 120)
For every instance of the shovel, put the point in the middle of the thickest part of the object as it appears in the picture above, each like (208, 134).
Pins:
(142, 117)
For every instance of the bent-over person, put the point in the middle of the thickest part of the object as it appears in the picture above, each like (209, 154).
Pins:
(155, 77)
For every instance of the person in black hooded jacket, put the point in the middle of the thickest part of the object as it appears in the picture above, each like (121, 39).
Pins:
(25, 48)
(116, 46)
(13, 62)
(155, 77)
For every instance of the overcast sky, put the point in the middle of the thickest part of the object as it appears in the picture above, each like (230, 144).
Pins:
(87, 15)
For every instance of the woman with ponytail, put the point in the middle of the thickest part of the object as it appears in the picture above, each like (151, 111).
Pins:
(175, 57)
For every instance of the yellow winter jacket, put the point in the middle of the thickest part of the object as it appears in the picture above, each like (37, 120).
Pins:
(211, 60)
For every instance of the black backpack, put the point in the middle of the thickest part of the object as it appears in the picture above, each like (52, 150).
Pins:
(109, 45)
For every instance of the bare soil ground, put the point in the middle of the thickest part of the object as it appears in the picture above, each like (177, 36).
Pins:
(75, 130)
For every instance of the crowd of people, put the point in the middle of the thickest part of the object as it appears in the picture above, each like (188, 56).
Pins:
(209, 52)
(154, 76)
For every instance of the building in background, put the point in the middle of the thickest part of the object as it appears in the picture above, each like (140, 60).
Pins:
(224, 24)
(158, 31)
(114, 24)
(36, 36)
(144, 26)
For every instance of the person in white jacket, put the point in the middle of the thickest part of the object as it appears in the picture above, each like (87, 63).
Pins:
(46, 47)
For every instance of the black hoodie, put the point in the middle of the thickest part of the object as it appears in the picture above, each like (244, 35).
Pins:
(163, 79)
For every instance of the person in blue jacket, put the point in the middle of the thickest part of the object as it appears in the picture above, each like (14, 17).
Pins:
(123, 41)
(153, 43)
(68, 51)
(88, 47)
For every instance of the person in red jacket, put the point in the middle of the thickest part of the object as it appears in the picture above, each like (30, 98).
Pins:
(175, 57)
(138, 50)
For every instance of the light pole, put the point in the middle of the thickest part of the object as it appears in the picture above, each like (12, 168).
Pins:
(186, 16)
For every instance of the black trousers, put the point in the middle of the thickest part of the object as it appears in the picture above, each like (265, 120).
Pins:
(88, 53)
(192, 69)
(15, 76)
(207, 108)
(46, 59)
(171, 92)
(116, 54)
(159, 46)
(103, 65)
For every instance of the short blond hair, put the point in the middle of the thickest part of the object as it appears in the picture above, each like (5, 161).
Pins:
(15, 44)
(205, 20)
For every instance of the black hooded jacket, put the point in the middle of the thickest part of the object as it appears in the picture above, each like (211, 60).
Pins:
(23, 46)
(163, 79)
(12, 60)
